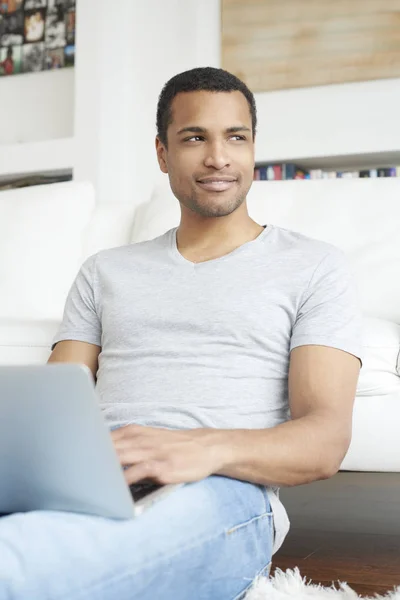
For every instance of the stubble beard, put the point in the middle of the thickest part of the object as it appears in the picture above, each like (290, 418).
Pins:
(214, 208)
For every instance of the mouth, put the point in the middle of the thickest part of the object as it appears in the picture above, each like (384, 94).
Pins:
(217, 184)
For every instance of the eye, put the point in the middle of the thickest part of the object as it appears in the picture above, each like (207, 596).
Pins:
(239, 137)
(195, 138)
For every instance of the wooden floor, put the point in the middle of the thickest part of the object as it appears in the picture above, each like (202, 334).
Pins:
(346, 528)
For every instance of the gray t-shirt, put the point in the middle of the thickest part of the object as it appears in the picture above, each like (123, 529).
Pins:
(189, 345)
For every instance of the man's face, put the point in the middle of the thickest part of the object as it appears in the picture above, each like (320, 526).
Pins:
(210, 155)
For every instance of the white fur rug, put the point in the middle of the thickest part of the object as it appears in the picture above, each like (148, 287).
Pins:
(290, 584)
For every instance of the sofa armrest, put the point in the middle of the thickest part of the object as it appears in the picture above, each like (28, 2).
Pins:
(26, 342)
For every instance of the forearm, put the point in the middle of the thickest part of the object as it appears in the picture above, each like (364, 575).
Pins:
(293, 453)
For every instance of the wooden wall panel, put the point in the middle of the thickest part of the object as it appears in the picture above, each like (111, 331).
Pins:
(278, 44)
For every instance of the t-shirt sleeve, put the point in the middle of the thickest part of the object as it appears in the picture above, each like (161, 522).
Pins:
(81, 321)
(329, 313)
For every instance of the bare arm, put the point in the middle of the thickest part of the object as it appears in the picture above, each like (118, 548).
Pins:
(322, 387)
(71, 351)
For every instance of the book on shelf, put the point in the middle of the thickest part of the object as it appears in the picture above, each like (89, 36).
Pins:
(279, 172)
(286, 171)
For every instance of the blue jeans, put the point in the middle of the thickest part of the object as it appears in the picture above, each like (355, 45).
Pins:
(206, 540)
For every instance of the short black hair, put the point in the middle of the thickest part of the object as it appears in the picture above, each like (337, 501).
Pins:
(207, 79)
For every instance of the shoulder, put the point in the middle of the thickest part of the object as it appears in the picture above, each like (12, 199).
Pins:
(305, 249)
(128, 253)
(300, 242)
(320, 268)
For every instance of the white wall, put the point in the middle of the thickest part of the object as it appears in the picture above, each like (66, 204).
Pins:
(351, 118)
(37, 106)
(124, 57)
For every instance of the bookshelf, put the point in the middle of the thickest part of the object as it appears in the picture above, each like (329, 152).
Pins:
(376, 164)
(343, 162)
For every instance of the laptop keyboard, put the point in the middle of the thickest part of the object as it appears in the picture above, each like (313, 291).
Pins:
(142, 488)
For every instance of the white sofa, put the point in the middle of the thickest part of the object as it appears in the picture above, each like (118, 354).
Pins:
(46, 232)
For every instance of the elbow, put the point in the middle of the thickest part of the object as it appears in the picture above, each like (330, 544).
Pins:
(332, 466)
(328, 472)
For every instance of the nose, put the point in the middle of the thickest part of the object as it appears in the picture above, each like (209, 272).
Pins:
(216, 156)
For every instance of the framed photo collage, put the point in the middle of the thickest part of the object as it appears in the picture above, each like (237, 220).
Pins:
(36, 35)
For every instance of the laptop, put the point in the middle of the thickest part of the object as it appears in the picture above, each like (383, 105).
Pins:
(56, 451)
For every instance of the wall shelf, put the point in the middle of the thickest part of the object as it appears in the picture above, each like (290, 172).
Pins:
(344, 162)
(335, 126)
(50, 156)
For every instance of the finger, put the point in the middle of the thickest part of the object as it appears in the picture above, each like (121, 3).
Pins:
(143, 470)
(129, 444)
(130, 431)
(132, 457)
(126, 431)
(118, 434)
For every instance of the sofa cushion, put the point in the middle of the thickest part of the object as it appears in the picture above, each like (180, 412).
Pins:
(375, 440)
(157, 215)
(381, 368)
(110, 226)
(26, 342)
(41, 247)
(24, 355)
(27, 333)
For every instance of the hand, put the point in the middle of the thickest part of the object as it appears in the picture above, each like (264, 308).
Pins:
(167, 456)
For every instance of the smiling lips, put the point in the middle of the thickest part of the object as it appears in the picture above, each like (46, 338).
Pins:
(216, 184)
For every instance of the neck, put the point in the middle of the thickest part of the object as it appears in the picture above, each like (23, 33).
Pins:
(201, 238)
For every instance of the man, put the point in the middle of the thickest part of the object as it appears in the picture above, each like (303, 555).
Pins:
(204, 342)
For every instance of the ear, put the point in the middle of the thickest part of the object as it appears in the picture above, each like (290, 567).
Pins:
(161, 155)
